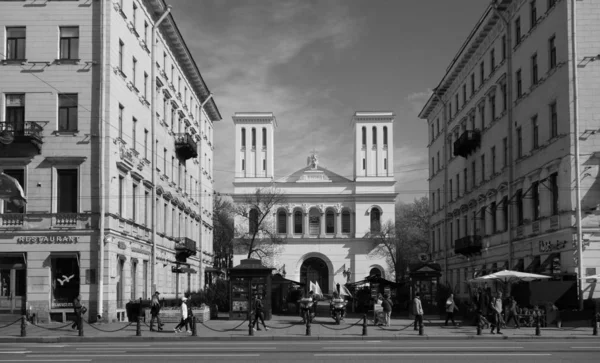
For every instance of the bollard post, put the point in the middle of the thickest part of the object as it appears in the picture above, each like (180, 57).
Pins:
(421, 328)
(80, 320)
(537, 326)
(364, 332)
(194, 331)
(138, 327)
(250, 330)
(308, 332)
(595, 322)
(23, 326)
(478, 323)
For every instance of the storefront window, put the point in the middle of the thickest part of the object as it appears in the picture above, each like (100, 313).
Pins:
(65, 280)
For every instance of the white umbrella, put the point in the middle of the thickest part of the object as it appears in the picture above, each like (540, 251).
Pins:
(509, 276)
(597, 277)
(11, 190)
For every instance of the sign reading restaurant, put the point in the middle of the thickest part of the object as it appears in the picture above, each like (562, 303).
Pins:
(47, 239)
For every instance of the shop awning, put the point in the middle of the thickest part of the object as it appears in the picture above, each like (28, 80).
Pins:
(551, 264)
(519, 266)
(534, 265)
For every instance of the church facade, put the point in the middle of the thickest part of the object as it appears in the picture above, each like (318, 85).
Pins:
(325, 221)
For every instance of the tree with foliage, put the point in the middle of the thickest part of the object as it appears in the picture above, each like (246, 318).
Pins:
(223, 232)
(256, 233)
(401, 242)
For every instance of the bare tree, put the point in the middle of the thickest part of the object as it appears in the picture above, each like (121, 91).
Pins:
(223, 232)
(256, 231)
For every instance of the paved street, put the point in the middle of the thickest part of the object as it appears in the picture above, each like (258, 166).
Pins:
(298, 350)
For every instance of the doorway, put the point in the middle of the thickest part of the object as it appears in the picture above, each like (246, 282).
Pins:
(13, 284)
(315, 269)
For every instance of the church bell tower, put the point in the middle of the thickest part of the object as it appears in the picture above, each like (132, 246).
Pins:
(373, 146)
(254, 146)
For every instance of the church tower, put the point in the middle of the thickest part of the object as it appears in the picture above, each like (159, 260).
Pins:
(254, 146)
(373, 146)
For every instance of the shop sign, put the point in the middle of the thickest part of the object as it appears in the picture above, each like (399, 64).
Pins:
(47, 239)
(552, 246)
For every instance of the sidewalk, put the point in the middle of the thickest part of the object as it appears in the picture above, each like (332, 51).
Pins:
(281, 328)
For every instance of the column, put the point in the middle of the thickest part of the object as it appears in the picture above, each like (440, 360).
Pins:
(338, 224)
(290, 225)
(305, 226)
(322, 225)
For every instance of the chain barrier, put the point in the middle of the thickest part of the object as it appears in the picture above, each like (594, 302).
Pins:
(223, 331)
(348, 327)
(55, 328)
(9, 324)
(402, 329)
(284, 327)
(107, 331)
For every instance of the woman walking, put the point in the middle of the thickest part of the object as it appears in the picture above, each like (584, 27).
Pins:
(450, 307)
(184, 317)
(155, 311)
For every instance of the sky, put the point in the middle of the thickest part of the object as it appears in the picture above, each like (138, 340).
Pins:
(313, 63)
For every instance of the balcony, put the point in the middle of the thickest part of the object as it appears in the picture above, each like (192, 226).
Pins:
(467, 143)
(21, 139)
(186, 246)
(185, 146)
(468, 246)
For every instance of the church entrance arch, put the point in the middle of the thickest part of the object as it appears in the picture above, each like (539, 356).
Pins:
(315, 269)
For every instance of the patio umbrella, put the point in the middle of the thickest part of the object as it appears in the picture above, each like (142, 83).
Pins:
(597, 277)
(11, 190)
(510, 276)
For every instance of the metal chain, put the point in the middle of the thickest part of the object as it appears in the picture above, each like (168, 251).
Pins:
(348, 327)
(406, 327)
(55, 328)
(222, 331)
(13, 323)
(283, 327)
(108, 331)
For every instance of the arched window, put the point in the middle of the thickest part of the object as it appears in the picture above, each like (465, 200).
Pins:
(374, 135)
(281, 222)
(298, 222)
(253, 221)
(243, 137)
(253, 137)
(345, 222)
(364, 136)
(329, 222)
(375, 272)
(385, 142)
(375, 220)
(264, 137)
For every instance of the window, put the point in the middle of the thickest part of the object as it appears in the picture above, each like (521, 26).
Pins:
(554, 191)
(19, 175)
(253, 221)
(385, 134)
(493, 107)
(464, 93)
(472, 84)
(532, 13)
(534, 69)
(67, 187)
(439, 196)
(456, 107)
(535, 196)
(473, 175)
(145, 85)
(121, 47)
(243, 137)
(69, 42)
(482, 168)
(374, 130)
(450, 191)
(121, 109)
(505, 207)
(172, 74)
(134, 133)
(134, 211)
(517, 30)
(146, 144)
(345, 221)
(519, 84)
(121, 194)
(15, 43)
(432, 132)
(146, 32)
(457, 185)
(535, 132)
(432, 165)
(264, 137)
(519, 198)
(465, 179)
(552, 52)
(281, 222)
(64, 267)
(329, 222)
(253, 137)
(493, 58)
(385, 164)
(133, 71)
(364, 164)
(134, 18)
(493, 209)
(551, 3)
(437, 126)
(297, 222)
(375, 220)
(243, 164)
(519, 142)
(264, 164)
(164, 161)
(433, 201)
(493, 156)
(481, 73)
(504, 152)
(15, 112)
(503, 47)
(165, 62)
(67, 112)
(504, 96)
(146, 208)
(482, 115)
(438, 161)
(553, 120)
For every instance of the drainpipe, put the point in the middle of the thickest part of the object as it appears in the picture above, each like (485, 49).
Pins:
(153, 135)
(202, 277)
(576, 141)
(509, 79)
(102, 120)
(446, 198)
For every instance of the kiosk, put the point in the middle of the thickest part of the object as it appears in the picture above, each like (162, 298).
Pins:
(246, 280)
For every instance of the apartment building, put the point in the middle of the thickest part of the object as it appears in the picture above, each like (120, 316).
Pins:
(114, 153)
(502, 145)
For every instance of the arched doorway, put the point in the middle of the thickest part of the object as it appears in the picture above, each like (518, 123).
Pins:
(315, 269)
(375, 272)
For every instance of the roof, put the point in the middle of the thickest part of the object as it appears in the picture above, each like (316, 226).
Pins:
(316, 175)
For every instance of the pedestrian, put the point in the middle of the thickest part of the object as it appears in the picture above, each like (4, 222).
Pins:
(512, 312)
(79, 310)
(450, 307)
(418, 310)
(496, 308)
(258, 313)
(184, 317)
(155, 311)
(386, 304)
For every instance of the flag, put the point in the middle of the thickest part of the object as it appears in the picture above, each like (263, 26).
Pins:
(344, 291)
(11, 190)
(318, 291)
(311, 287)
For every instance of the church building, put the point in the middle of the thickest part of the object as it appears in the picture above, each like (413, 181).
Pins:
(326, 221)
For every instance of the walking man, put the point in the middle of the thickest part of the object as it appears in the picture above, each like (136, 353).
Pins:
(512, 312)
(418, 311)
(497, 312)
(450, 307)
(386, 304)
(258, 313)
(155, 311)
(79, 311)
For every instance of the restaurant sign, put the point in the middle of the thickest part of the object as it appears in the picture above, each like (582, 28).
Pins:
(47, 239)
(552, 246)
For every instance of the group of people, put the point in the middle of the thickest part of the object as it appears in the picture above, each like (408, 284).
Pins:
(494, 311)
